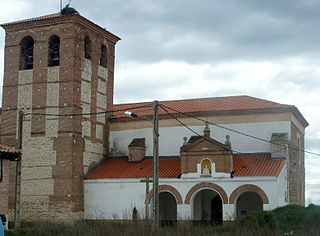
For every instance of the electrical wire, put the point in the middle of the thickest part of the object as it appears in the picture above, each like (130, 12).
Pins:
(86, 114)
(239, 132)
(193, 131)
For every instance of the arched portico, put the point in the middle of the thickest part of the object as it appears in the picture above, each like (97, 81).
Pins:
(165, 188)
(248, 198)
(167, 209)
(207, 207)
(248, 188)
(206, 185)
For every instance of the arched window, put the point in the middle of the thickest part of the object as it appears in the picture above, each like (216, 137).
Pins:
(26, 53)
(54, 51)
(87, 48)
(103, 56)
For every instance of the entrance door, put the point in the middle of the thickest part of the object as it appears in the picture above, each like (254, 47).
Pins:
(207, 208)
(168, 209)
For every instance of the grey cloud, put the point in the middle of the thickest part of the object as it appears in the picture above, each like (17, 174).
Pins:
(229, 30)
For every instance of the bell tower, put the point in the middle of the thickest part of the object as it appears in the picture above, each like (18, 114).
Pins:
(56, 67)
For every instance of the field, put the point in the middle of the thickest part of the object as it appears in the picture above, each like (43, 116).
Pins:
(288, 220)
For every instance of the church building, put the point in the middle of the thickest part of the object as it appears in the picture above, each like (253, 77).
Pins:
(82, 158)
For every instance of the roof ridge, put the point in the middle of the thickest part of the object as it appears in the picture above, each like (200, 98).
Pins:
(205, 98)
(251, 153)
(53, 15)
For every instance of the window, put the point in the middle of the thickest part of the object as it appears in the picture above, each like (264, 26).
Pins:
(53, 51)
(87, 48)
(103, 56)
(26, 53)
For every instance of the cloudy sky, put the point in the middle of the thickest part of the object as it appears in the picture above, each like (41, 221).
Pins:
(206, 48)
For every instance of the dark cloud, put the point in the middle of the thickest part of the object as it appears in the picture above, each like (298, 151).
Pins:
(197, 31)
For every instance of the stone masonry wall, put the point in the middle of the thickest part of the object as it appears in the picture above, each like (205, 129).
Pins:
(57, 150)
(4, 185)
(296, 167)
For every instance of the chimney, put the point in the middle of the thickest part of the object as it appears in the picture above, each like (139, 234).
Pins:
(137, 150)
(206, 131)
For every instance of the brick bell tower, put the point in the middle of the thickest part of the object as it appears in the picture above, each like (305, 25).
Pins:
(56, 64)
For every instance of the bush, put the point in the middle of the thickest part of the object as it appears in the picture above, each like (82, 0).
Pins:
(290, 218)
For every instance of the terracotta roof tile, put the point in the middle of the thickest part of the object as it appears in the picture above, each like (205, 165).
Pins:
(9, 149)
(243, 165)
(232, 103)
(120, 167)
(34, 19)
(256, 165)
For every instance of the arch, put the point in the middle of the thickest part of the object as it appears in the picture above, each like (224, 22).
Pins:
(165, 188)
(167, 209)
(54, 51)
(103, 56)
(247, 202)
(207, 185)
(248, 188)
(26, 53)
(207, 207)
(87, 48)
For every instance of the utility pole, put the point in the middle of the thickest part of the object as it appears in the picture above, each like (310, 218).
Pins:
(288, 172)
(155, 180)
(156, 165)
(146, 202)
(18, 175)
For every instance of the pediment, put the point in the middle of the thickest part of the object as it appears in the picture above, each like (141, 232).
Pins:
(198, 144)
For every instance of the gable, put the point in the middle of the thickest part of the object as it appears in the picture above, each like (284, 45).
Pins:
(197, 143)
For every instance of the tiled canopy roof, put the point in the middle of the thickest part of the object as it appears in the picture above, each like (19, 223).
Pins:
(219, 105)
(243, 165)
(9, 149)
(256, 165)
(120, 167)
(9, 153)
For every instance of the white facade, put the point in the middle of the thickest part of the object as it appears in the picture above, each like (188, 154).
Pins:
(171, 138)
(116, 198)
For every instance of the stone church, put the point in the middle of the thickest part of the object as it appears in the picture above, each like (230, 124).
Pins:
(81, 160)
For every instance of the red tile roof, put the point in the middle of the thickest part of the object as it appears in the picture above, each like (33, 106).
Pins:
(55, 15)
(207, 104)
(256, 165)
(119, 167)
(221, 105)
(243, 165)
(9, 149)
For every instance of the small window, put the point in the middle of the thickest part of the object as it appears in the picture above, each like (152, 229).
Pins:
(26, 53)
(54, 48)
(87, 48)
(103, 56)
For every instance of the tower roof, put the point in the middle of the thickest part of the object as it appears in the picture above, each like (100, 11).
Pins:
(66, 15)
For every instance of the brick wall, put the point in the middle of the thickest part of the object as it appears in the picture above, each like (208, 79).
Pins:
(56, 150)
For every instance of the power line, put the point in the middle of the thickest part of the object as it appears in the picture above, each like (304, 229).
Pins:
(238, 132)
(195, 132)
(86, 114)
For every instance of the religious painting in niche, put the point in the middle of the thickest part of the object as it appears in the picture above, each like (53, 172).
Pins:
(206, 167)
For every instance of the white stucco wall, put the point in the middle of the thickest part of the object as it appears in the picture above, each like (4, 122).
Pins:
(170, 144)
(115, 198)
